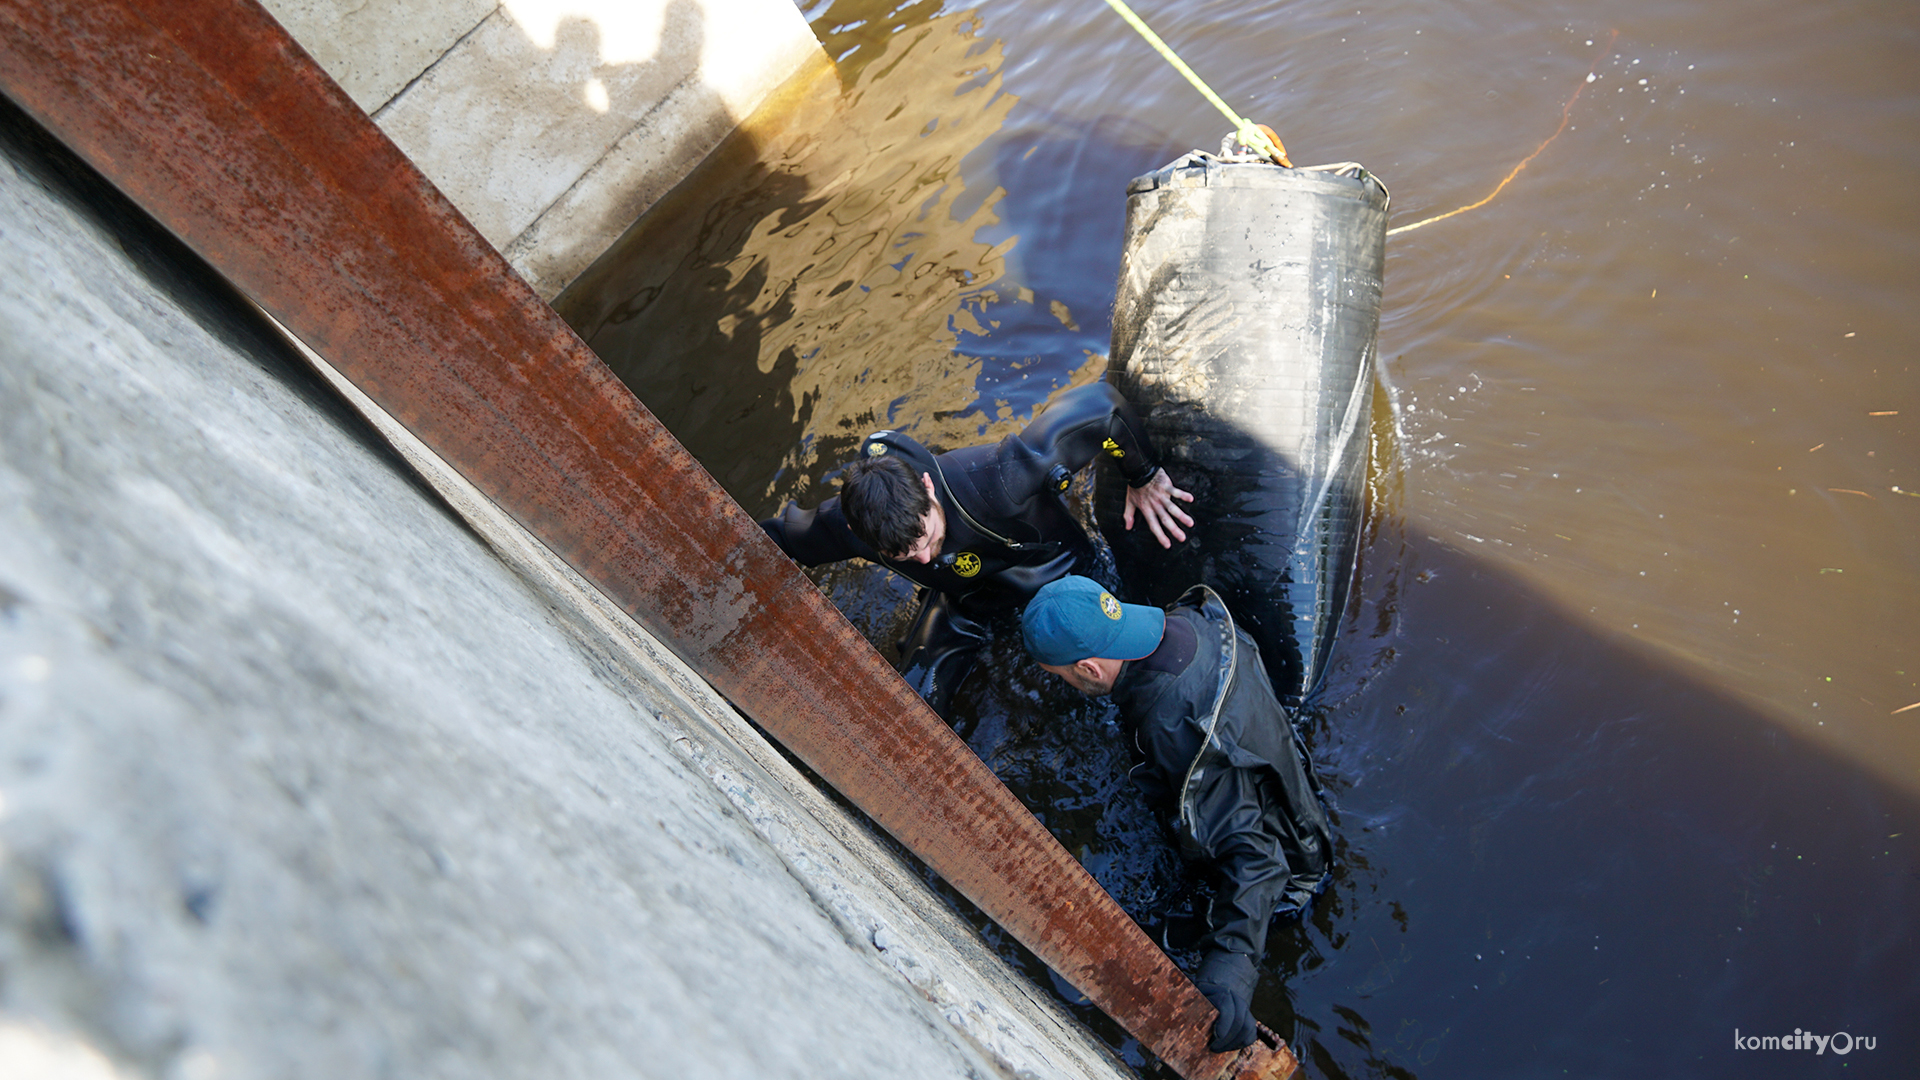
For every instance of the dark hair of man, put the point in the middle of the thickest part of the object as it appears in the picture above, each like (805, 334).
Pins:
(884, 502)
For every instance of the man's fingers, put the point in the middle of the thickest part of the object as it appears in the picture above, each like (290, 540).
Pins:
(1153, 523)
(1163, 526)
(1174, 530)
(1156, 506)
(1168, 513)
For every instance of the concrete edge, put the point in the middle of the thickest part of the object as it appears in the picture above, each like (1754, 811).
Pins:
(637, 171)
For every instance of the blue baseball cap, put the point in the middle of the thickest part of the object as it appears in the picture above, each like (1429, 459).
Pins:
(1074, 618)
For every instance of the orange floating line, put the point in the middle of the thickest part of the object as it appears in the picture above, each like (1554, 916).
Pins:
(1566, 114)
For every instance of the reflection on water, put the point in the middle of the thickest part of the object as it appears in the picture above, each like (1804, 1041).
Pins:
(1612, 732)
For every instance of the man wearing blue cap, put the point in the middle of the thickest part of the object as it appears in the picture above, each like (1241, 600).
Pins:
(1222, 762)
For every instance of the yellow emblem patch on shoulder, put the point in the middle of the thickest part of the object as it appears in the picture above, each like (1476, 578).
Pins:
(966, 564)
(1109, 605)
(1113, 448)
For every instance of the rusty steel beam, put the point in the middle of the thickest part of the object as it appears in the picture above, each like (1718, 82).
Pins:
(213, 119)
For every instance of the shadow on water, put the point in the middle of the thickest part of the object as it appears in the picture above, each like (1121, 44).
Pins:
(1558, 853)
(1065, 251)
(1561, 850)
(691, 349)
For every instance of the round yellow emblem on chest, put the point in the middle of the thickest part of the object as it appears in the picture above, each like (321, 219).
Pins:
(966, 564)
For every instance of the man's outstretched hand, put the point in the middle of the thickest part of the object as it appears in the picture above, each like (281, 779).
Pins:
(1227, 979)
(1153, 501)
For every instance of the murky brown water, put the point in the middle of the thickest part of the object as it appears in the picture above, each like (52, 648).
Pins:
(1614, 738)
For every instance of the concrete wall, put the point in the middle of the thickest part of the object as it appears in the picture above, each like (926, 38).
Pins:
(303, 773)
(553, 124)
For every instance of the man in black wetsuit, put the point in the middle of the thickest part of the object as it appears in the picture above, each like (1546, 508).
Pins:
(983, 527)
(1221, 761)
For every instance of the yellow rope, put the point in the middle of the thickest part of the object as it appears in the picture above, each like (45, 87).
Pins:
(1250, 132)
(1261, 139)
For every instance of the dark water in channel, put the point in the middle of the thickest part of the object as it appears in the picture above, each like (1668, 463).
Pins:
(1613, 737)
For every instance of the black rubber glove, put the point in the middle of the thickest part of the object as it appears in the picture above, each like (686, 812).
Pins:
(1227, 978)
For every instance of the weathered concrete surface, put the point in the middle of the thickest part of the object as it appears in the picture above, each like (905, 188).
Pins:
(298, 777)
(373, 50)
(641, 167)
(552, 124)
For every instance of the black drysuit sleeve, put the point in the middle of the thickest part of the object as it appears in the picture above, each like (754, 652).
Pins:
(1088, 421)
(820, 535)
(1245, 854)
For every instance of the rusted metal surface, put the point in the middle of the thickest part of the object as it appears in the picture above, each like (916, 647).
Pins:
(1267, 1059)
(207, 114)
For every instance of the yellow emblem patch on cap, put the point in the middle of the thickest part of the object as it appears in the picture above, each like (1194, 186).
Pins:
(966, 564)
(1113, 448)
(1109, 605)
(875, 449)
